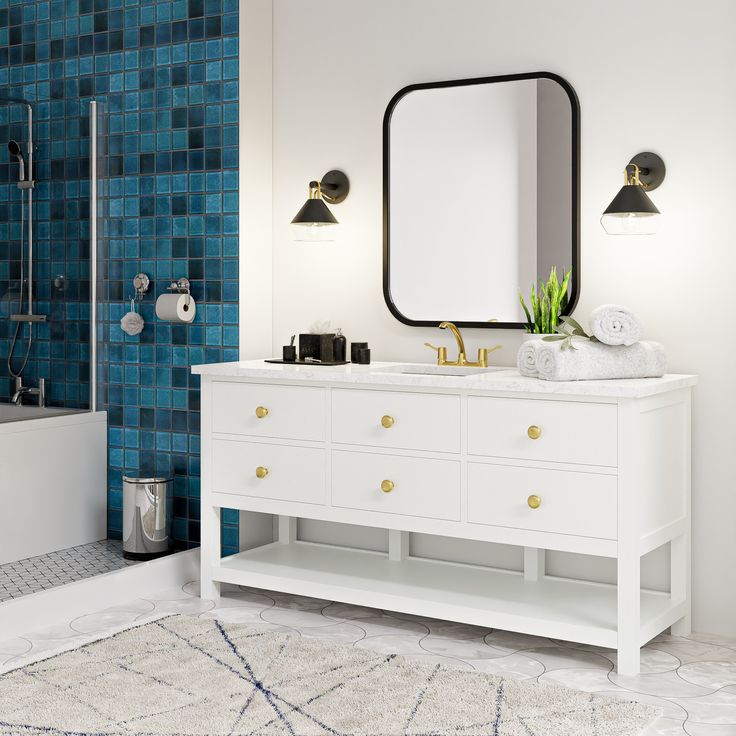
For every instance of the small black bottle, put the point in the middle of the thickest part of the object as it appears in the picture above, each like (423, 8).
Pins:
(339, 346)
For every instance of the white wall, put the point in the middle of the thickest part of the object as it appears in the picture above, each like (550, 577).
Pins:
(655, 75)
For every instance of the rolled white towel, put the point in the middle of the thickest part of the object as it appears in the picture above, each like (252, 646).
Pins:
(592, 361)
(526, 358)
(613, 324)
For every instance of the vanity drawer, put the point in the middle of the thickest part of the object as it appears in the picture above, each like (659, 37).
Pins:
(393, 419)
(294, 473)
(415, 486)
(583, 504)
(557, 431)
(291, 412)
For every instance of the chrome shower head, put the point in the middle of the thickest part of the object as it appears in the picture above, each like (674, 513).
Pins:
(14, 148)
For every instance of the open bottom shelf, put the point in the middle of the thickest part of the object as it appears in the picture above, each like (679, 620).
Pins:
(554, 607)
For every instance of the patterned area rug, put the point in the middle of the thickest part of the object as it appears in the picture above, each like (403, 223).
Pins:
(183, 676)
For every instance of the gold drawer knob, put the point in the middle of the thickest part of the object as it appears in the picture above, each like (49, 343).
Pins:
(261, 412)
(387, 486)
(261, 472)
(534, 501)
(387, 422)
(534, 432)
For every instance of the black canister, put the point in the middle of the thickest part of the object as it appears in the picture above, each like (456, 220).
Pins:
(355, 348)
(340, 345)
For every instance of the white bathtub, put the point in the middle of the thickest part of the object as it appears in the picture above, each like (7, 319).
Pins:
(53, 480)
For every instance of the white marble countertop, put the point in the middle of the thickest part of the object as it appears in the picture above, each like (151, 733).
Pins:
(423, 375)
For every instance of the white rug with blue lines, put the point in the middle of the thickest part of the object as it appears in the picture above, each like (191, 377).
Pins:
(185, 676)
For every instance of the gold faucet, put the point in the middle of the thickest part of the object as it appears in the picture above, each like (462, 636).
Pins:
(462, 359)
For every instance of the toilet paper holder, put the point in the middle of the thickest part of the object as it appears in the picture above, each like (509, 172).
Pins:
(181, 286)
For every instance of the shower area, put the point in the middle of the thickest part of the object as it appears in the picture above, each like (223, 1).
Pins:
(53, 439)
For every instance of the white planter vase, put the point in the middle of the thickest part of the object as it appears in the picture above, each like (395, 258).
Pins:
(537, 335)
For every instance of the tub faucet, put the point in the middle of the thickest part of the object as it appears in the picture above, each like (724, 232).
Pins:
(21, 391)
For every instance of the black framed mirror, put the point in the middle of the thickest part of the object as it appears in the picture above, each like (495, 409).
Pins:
(481, 197)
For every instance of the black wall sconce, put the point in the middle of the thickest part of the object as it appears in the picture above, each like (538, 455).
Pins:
(632, 212)
(314, 223)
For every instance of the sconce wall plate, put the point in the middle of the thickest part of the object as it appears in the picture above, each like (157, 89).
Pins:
(651, 169)
(335, 186)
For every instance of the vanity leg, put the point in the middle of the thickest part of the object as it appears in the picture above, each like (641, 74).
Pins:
(629, 612)
(398, 545)
(680, 581)
(534, 564)
(287, 529)
(210, 552)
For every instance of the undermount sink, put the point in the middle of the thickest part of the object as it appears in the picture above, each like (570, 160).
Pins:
(439, 370)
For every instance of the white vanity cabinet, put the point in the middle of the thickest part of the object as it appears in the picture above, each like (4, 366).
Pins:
(594, 467)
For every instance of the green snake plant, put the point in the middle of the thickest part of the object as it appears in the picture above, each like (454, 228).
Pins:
(548, 302)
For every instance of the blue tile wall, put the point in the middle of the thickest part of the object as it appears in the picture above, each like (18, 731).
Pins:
(165, 72)
(60, 349)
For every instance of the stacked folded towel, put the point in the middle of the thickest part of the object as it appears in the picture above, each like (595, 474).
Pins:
(526, 358)
(613, 324)
(595, 361)
(616, 351)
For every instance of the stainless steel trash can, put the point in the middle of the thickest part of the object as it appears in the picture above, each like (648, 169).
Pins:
(147, 515)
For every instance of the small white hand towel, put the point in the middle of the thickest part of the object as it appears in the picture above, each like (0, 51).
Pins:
(526, 358)
(613, 324)
(592, 361)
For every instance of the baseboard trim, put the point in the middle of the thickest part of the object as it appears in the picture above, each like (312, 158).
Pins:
(59, 605)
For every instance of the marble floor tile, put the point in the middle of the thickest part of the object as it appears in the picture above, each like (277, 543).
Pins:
(517, 666)
(712, 674)
(454, 631)
(339, 633)
(462, 648)
(392, 644)
(379, 624)
(555, 658)
(589, 680)
(43, 648)
(346, 611)
(112, 618)
(666, 727)
(665, 684)
(717, 708)
(708, 729)
(187, 605)
(670, 709)
(14, 647)
(513, 642)
(294, 617)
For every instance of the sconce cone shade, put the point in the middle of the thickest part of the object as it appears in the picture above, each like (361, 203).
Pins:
(314, 223)
(631, 213)
(314, 212)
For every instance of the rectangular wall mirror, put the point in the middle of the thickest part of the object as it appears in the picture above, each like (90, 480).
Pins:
(481, 197)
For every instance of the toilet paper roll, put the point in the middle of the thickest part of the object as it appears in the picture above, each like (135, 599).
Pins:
(176, 307)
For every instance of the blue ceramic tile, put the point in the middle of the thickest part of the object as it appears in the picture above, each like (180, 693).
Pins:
(166, 74)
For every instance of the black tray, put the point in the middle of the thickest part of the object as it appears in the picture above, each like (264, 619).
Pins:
(304, 362)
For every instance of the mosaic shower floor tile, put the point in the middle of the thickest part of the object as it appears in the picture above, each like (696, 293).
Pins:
(24, 577)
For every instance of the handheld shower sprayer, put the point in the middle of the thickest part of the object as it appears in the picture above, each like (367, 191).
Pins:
(14, 148)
